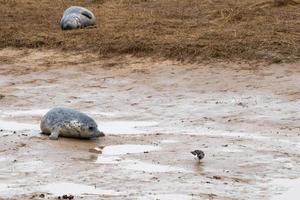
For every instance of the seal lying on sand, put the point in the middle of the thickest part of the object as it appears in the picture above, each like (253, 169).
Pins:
(77, 17)
(69, 123)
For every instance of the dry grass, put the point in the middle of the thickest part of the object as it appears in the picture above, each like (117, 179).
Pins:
(177, 29)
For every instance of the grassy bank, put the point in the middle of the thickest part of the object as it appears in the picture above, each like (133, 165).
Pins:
(176, 29)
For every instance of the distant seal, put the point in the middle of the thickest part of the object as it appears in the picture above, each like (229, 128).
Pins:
(77, 17)
(69, 123)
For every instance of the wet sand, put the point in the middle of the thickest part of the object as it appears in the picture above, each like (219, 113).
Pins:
(245, 117)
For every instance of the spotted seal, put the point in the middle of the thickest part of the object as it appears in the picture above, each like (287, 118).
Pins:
(67, 122)
(77, 17)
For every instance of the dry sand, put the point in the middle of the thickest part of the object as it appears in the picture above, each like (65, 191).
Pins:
(245, 117)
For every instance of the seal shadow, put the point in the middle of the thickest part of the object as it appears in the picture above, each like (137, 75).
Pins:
(81, 149)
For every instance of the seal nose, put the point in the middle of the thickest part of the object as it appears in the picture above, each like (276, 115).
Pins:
(67, 25)
(101, 134)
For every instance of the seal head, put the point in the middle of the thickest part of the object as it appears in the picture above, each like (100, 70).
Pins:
(77, 17)
(71, 21)
(69, 123)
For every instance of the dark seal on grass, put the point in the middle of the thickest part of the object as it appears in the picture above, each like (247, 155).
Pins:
(77, 17)
(69, 123)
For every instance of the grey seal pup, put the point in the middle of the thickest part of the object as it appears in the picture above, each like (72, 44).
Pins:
(77, 17)
(67, 122)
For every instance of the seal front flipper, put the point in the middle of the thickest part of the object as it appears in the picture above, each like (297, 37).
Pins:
(54, 135)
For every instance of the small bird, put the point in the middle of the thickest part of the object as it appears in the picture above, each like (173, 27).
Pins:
(200, 154)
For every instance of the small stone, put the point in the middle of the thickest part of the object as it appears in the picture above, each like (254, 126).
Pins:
(22, 145)
(96, 150)
(41, 195)
(71, 197)
(65, 196)
(217, 177)
(212, 195)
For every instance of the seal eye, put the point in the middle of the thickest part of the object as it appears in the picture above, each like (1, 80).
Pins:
(91, 128)
(87, 14)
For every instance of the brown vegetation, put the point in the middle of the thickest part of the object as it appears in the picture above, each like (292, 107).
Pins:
(178, 29)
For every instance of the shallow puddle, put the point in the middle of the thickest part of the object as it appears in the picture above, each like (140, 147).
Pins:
(107, 114)
(127, 149)
(2, 159)
(3, 187)
(38, 112)
(76, 189)
(224, 133)
(168, 141)
(7, 190)
(125, 127)
(109, 127)
(41, 112)
(244, 135)
(15, 126)
(31, 166)
(231, 150)
(150, 167)
(292, 189)
(137, 165)
(166, 197)
(110, 156)
(108, 160)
